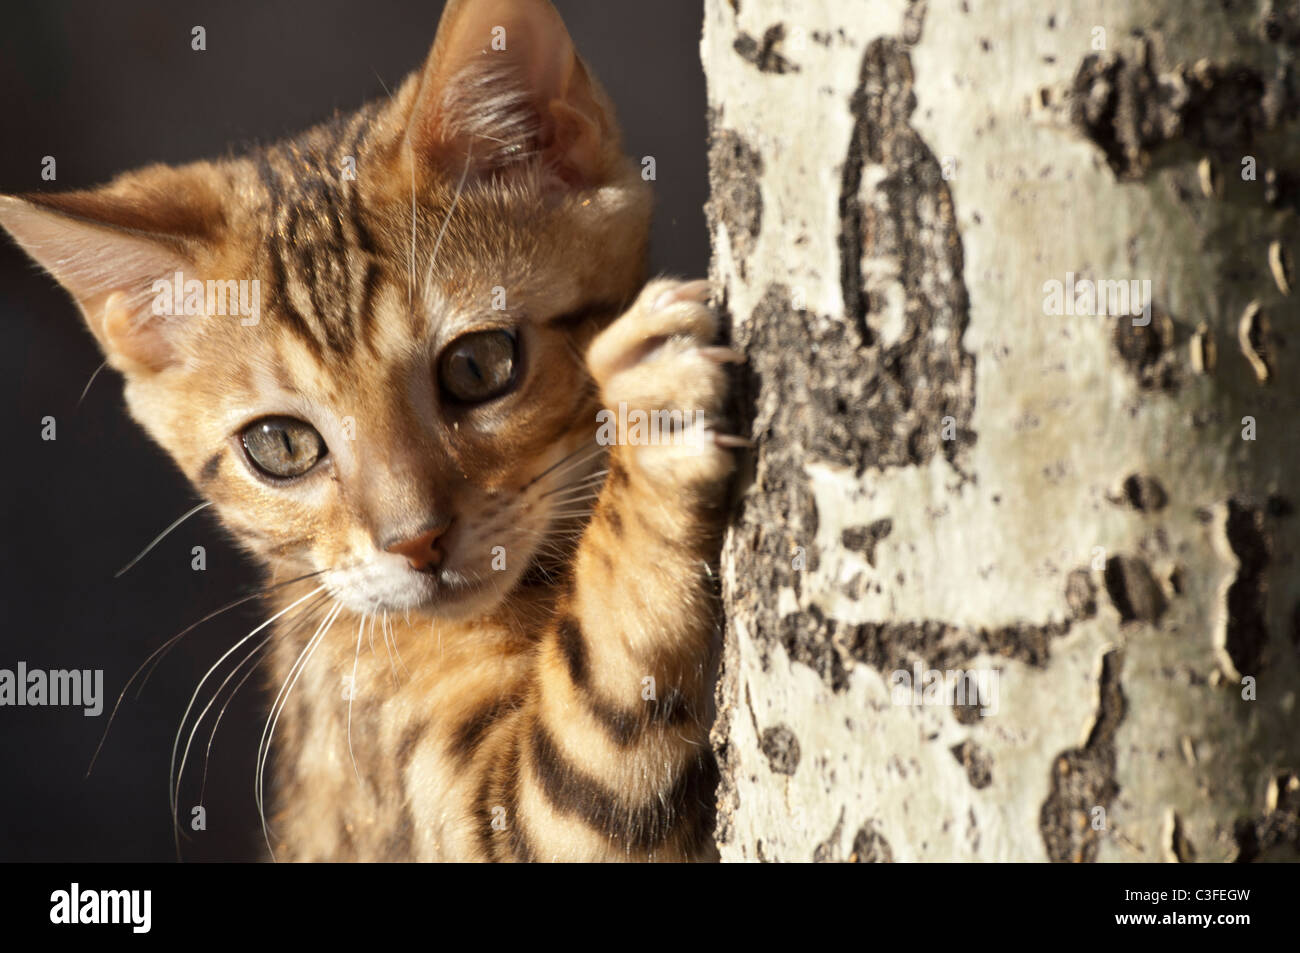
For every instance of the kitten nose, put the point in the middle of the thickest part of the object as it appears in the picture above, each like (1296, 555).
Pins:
(420, 550)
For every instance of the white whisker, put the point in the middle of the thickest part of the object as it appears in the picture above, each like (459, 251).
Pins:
(86, 390)
(383, 631)
(173, 786)
(159, 538)
(397, 651)
(277, 709)
(352, 693)
(207, 752)
(451, 209)
(157, 654)
(410, 273)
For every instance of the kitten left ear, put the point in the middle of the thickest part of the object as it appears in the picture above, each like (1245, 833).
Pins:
(107, 247)
(503, 83)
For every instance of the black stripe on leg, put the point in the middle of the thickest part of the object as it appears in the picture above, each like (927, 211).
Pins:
(574, 648)
(571, 790)
(499, 788)
(625, 726)
(518, 840)
(469, 734)
(699, 804)
(483, 815)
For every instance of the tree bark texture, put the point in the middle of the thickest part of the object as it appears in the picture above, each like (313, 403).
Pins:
(1090, 516)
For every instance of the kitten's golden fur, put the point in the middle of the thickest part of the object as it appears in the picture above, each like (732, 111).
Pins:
(545, 692)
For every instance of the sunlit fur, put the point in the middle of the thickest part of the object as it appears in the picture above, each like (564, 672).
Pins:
(411, 706)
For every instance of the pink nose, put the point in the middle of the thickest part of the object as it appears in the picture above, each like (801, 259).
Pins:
(420, 551)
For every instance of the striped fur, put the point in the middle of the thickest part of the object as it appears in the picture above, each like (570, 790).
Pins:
(554, 709)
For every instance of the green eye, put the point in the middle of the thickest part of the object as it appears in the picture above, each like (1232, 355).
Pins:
(282, 447)
(478, 366)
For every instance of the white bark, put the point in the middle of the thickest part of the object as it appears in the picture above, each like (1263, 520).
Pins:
(893, 185)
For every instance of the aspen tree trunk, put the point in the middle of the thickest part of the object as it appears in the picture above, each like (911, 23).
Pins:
(1013, 573)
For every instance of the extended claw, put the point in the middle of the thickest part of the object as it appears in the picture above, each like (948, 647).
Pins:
(691, 291)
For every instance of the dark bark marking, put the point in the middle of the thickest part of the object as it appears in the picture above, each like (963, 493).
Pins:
(870, 847)
(830, 646)
(1144, 493)
(1279, 22)
(977, 762)
(1148, 350)
(1084, 778)
(1247, 598)
(764, 55)
(863, 539)
(1081, 594)
(894, 399)
(1179, 845)
(1274, 834)
(1129, 107)
(1134, 590)
(782, 749)
(735, 198)
(828, 851)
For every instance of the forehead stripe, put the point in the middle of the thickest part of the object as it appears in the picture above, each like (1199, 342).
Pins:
(319, 241)
(279, 299)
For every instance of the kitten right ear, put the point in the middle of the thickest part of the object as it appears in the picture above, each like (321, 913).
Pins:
(108, 247)
(503, 83)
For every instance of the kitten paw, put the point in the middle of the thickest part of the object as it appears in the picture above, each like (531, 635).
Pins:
(663, 384)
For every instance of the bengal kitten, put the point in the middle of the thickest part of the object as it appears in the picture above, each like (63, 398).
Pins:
(404, 428)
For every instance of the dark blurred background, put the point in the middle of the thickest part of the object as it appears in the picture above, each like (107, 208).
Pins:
(104, 87)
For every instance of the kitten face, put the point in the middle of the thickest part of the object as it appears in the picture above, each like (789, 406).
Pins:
(410, 415)
(401, 450)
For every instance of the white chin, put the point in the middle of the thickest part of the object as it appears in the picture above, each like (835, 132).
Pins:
(447, 594)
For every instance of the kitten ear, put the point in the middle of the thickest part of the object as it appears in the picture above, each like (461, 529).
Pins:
(107, 247)
(503, 83)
